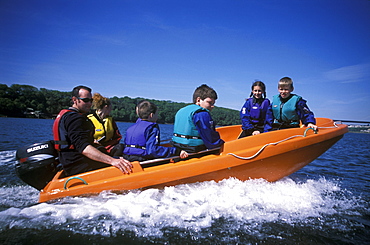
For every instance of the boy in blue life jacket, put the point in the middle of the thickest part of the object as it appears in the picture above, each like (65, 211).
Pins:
(253, 112)
(287, 109)
(142, 140)
(194, 129)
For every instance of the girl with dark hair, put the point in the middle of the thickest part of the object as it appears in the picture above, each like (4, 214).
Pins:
(253, 112)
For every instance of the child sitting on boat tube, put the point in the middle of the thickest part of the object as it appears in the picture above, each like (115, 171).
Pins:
(253, 112)
(194, 129)
(142, 140)
(287, 110)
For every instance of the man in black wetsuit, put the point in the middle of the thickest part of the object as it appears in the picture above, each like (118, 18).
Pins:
(73, 135)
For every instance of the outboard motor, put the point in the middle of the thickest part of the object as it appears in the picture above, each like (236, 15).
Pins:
(37, 163)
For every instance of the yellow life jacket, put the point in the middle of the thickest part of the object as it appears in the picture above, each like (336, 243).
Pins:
(103, 131)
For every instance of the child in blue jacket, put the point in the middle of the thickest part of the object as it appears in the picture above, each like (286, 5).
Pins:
(142, 140)
(194, 128)
(253, 112)
(287, 110)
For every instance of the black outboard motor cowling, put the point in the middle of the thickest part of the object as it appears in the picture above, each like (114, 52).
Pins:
(37, 163)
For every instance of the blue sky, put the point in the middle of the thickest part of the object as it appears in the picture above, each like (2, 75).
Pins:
(165, 49)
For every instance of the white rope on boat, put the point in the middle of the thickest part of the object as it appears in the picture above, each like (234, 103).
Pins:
(335, 126)
(263, 147)
(275, 143)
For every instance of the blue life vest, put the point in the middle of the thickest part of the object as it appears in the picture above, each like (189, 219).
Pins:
(185, 131)
(258, 111)
(135, 140)
(285, 113)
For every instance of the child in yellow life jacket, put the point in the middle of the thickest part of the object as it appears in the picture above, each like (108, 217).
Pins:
(107, 135)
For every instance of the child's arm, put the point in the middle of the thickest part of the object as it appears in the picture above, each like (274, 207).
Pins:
(269, 119)
(153, 147)
(204, 124)
(305, 114)
(245, 116)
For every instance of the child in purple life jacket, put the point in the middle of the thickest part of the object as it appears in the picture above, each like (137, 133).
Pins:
(142, 140)
(253, 112)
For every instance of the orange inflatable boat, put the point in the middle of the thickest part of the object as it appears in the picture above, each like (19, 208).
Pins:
(270, 156)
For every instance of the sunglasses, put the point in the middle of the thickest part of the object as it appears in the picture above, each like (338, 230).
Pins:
(86, 100)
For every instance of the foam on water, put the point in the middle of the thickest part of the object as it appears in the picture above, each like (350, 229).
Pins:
(7, 157)
(191, 206)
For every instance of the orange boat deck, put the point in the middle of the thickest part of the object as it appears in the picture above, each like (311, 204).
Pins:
(271, 156)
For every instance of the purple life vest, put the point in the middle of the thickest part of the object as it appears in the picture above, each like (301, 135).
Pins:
(258, 111)
(135, 140)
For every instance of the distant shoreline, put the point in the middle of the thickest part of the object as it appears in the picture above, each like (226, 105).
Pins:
(359, 129)
(358, 132)
(362, 129)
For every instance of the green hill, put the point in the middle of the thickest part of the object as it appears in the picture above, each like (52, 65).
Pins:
(28, 101)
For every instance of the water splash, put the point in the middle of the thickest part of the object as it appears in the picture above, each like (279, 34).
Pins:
(194, 207)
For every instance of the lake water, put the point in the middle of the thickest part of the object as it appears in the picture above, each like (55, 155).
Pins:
(326, 202)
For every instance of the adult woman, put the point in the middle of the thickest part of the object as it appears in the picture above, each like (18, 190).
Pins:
(106, 135)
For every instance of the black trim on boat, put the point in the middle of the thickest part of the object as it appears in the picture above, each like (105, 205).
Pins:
(161, 161)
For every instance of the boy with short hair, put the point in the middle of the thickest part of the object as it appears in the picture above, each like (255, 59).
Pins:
(142, 140)
(287, 109)
(194, 129)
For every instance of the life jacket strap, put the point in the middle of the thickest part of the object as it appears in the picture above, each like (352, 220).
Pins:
(293, 122)
(60, 142)
(63, 142)
(187, 136)
(136, 146)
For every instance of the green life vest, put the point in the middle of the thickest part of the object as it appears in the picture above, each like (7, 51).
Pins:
(185, 131)
(285, 113)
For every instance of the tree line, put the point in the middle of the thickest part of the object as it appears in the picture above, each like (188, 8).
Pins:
(28, 101)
